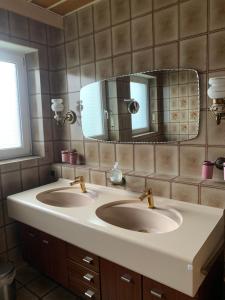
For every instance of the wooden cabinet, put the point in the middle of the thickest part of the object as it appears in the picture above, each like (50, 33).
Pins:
(83, 273)
(46, 253)
(119, 283)
(95, 278)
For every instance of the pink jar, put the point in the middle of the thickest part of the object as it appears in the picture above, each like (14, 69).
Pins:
(73, 157)
(65, 156)
(207, 169)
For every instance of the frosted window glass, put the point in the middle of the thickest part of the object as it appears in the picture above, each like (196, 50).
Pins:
(10, 131)
(139, 92)
(92, 110)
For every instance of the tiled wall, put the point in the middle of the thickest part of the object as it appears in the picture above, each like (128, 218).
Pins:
(18, 175)
(121, 36)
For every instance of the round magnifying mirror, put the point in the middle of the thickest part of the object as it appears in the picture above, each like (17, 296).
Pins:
(133, 107)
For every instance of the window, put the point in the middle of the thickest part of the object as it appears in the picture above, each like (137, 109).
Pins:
(93, 104)
(139, 92)
(15, 139)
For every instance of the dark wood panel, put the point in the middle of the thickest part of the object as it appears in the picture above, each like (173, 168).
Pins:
(80, 256)
(80, 289)
(119, 283)
(77, 272)
(69, 6)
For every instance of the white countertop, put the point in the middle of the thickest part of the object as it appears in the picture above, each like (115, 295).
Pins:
(174, 258)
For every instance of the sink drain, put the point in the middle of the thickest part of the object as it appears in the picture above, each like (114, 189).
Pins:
(143, 230)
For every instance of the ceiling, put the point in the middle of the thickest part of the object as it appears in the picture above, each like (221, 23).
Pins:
(61, 7)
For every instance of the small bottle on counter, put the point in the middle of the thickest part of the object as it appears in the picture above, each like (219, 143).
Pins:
(207, 169)
(73, 157)
(65, 156)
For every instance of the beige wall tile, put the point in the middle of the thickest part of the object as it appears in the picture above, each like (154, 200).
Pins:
(161, 3)
(166, 56)
(98, 177)
(166, 159)
(215, 132)
(87, 49)
(121, 38)
(142, 35)
(30, 178)
(120, 11)
(122, 65)
(135, 184)
(193, 53)
(213, 197)
(166, 25)
(191, 159)
(91, 154)
(103, 44)
(124, 155)
(83, 172)
(68, 172)
(107, 155)
(185, 192)
(193, 17)
(104, 69)
(144, 158)
(217, 50)
(85, 21)
(143, 60)
(159, 188)
(87, 74)
(213, 154)
(140, 7)
(217, 11)
(11, 183)
(101, 14)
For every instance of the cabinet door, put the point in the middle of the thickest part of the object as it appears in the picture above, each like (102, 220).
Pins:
(119, 283)
(128, 284)
(53, 258)
(31, 246)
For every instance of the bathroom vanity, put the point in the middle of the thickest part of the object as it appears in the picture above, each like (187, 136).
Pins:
(107, 245)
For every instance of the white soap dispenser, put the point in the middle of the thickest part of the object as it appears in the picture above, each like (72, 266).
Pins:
(116, 175)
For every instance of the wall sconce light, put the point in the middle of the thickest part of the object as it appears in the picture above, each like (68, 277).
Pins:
(216, 92)
(58, 107)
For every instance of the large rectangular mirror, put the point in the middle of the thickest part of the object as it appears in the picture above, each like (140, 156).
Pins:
(156, 106)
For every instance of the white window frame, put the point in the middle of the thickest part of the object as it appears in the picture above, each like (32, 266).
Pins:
(23, 105)
(139, 79)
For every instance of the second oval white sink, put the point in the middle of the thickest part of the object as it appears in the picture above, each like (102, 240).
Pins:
(65, 197)
(137, 217)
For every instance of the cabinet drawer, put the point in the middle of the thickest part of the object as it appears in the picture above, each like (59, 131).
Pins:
(153, 290)
(86, 276)
(83, 257)
(84, 291)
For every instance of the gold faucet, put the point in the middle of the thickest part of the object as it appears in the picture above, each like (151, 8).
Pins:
(80, 180)
(148, 193)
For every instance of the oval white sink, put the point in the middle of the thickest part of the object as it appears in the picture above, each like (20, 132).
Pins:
(137, 217)
(67, 197)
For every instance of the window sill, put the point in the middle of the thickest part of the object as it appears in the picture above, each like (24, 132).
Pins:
(18, 160)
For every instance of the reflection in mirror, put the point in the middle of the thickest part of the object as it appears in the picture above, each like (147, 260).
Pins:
(157, 106)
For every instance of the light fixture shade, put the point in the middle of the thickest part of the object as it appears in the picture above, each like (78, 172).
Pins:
(217, 88)
(57, 105)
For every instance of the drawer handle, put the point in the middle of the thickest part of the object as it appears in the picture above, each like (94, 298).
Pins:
(90, 294)
(45, 242)
(157, 295)
(88, 277)
(88, 259)
(126, 277)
